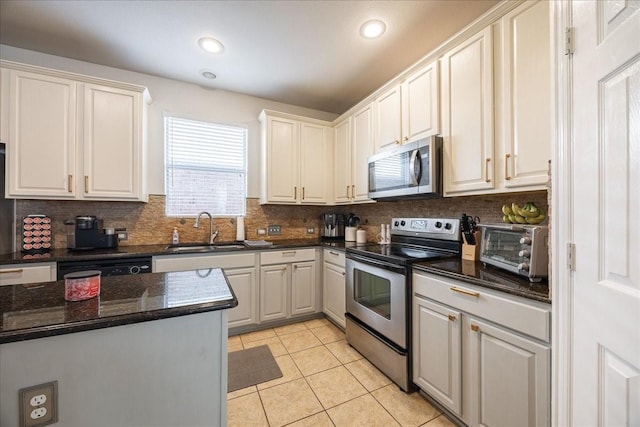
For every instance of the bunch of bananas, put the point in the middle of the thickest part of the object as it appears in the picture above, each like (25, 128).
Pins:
(528, 214)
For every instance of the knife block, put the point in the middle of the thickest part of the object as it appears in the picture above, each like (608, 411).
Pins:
(472, 252)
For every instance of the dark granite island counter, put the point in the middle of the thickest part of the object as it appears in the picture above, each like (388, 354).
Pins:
(150, 350)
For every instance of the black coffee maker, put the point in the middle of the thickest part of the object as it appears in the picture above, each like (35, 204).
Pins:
(86, 232)
(333, 225)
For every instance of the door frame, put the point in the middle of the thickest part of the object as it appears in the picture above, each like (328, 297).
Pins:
(562, 211)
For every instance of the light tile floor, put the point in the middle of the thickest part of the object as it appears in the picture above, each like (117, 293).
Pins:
(325, 382)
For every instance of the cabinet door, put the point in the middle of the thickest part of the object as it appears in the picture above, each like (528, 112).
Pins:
(274, 285)
(282, 160)
(41, 150)
(243, 283)
(362, 148)
(526, 95)
(112, 143)
(342, 161)
(303, 288)
(314, 163)
(507, 377)
(420, 104)
(437, 363)
(467, 115)
(334, 292)
(388, 127)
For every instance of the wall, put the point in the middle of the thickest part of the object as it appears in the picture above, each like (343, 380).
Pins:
(147, 224)
(171, 97)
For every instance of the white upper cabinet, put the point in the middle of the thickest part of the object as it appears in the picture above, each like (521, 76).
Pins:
(353, 146)
(497, 137)
(409, 110)
(296, 159)
(388, 119)
(467, 115)
(72, 137)
(525, 96)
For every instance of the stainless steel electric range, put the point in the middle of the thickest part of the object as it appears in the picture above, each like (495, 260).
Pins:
(378, 290)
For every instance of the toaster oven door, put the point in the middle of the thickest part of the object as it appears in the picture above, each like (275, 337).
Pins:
(501, 248)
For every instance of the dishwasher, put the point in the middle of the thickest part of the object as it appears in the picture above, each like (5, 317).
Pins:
(108, 266)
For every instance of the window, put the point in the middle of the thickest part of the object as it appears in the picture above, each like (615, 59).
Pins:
(206, 168)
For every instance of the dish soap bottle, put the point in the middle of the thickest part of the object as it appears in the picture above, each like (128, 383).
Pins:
(175, 239)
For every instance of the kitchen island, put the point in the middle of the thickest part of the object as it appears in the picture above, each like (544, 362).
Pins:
(151, 350)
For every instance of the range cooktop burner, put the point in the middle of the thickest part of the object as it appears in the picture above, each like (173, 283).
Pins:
(414, 240)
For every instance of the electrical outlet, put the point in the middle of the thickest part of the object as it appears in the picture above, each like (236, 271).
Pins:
(39, 405)
(261, 231)
(311, 230)
(274, 230)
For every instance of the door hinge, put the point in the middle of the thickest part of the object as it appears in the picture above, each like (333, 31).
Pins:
(568, 41)
(571, 256)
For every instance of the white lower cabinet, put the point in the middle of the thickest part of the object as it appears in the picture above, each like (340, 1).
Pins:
(333, 289)
(240, 270)
(20, 274)
(482, 354)
(288, 284)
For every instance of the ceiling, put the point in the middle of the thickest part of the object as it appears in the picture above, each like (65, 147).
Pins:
(305, 53)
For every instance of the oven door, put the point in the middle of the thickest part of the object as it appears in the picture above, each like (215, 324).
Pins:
(376, 293)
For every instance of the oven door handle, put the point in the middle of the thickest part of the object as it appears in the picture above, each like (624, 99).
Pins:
(378, 263)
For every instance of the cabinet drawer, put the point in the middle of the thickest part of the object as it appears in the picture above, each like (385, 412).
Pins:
(17, 274)
(528, 317)
(334, 257)
(195, 262)
(293, 255)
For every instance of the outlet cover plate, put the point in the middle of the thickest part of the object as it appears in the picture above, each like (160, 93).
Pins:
(50, 404)
(274, 230)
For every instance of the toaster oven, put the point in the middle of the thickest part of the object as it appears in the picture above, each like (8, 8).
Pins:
(520, 249)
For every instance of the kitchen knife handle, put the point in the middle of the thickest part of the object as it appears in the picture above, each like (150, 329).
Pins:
(486, 169)
(506, 166)
(70, 183)
(86, 184)
(464, 291)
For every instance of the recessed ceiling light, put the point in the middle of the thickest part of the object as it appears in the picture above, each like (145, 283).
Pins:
(372, 29)
(208, 75)
(211, 45)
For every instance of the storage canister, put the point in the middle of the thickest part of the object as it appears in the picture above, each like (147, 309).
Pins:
(81, 285)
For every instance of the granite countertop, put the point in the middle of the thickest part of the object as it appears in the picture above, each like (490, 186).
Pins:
(57, 255)
(40, 310)
(487, 276)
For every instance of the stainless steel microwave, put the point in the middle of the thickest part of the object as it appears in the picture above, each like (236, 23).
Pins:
(411, 170)
(520, 249)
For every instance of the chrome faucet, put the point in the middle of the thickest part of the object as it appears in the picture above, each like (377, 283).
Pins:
(212, 235)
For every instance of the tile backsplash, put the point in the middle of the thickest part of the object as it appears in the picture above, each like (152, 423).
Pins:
(146, 223)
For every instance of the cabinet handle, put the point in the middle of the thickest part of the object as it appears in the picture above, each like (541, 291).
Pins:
(406, 138)
(353, 191)
(288, 253)
(86, 184)
(344, 273)
(452, 317)
(348, 192)
(396, 142)
(302, 193)
(486, 169)
(475, 328)
(295, 192)
(334, 253)
(295, 266)
(466, 292)
(70, 184)
(506, 166)
(17, 270)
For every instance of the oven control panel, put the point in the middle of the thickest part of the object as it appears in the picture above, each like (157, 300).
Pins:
(439, 228)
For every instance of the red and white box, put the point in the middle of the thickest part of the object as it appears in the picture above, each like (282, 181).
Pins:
(81, 285)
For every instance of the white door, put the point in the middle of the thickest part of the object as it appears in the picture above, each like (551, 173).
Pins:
(362, 148)
(342, 162)
(605, 213)
(274, 286)
(314, 163)
(303, 288)
(243, 283)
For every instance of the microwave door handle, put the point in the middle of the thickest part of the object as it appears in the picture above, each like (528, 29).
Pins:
(413, 171)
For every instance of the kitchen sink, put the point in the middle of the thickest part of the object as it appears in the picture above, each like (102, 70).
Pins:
(203, 247)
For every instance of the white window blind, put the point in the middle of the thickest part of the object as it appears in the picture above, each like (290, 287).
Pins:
(206, 168)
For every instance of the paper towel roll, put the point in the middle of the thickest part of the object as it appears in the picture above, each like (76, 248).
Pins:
(240, 228)
(361, 236)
